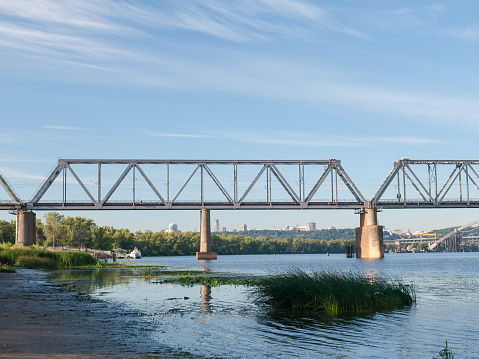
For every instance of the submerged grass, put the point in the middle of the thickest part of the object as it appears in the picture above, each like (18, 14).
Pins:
(333, 292)
(34, 257)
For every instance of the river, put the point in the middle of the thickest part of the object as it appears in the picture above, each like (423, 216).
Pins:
(225, 322)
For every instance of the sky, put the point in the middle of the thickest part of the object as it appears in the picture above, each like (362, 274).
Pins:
(364, 82)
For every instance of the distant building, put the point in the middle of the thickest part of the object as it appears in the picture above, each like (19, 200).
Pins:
(289, 228)
(172, 228)
(216, 225)
(223, 229)
(312, 226)
(244, 227)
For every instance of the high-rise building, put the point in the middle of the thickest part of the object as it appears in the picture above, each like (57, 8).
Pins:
(244, 227)
(312, 226)
(223, 229)
(216, 225)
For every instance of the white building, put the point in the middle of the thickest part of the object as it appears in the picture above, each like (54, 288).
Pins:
(172, 228)
(244, 227)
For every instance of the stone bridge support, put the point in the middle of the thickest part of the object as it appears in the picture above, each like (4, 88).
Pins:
(369, 236)
(26, 232)
(205, 252)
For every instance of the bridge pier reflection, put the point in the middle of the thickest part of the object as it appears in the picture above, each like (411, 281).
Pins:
(369, 236)
(205, 252)
(26, 232)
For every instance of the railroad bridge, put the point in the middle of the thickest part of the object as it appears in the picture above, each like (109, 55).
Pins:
(204, 185)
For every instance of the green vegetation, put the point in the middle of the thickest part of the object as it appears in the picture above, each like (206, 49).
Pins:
(34, 257)
(210, 281)
(5, 269)
(445, 353)
(332, 292)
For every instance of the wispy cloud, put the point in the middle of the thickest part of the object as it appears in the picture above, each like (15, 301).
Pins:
(464, 33)
(65, 128)
(167, 134)
(92, 29)
(13, 174)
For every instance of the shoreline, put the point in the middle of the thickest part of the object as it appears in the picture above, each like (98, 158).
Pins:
(40, 319)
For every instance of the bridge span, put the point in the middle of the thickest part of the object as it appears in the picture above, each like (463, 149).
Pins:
(96, 184)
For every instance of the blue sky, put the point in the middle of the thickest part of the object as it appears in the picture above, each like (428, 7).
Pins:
(364, 82)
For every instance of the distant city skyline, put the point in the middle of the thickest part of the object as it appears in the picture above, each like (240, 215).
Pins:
(366, 83)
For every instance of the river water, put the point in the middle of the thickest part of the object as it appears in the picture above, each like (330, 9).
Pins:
(225, 322)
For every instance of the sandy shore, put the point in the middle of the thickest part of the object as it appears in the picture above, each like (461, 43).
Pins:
(41, 320)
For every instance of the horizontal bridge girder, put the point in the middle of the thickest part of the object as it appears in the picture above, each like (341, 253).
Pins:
(198, 205)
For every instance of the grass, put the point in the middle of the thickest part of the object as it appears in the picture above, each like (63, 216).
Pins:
(34, 257)
(332, 292)
(445, 353)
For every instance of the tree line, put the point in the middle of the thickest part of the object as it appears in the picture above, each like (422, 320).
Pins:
(82, 232)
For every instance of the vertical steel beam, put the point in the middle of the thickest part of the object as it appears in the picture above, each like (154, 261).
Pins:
(99, 182)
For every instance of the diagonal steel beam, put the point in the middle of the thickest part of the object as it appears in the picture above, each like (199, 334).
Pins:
(8, 189)
(150, 183)
(350, 184)
(81, 184)
(452, 182)
(48, 182)
(414, 185)
(253, 183)
(285, 183)
(318, 184)
(187, 181)
(218, 183)
(118, 182)
(420, 184)
(387, 181)
(445, 183)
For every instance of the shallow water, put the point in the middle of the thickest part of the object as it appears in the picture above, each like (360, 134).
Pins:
(225, 322)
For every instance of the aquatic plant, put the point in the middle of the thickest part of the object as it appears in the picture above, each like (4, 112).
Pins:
(34, 257)
(5, 269)
(445, 353)
(332, 292)
(210, 281)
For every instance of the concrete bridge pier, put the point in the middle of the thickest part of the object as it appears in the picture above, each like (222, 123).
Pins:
(205, 252)
(369, 236)
(26, 231)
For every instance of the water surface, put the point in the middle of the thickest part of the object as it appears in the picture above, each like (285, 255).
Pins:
(225, 321)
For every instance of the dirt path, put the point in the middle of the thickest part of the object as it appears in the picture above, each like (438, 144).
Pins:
(41, 320)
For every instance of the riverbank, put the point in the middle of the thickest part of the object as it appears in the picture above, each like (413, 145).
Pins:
(40, 319)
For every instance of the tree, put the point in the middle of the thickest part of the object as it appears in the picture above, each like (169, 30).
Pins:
(54, 228)
(7, 231)
(79, 231)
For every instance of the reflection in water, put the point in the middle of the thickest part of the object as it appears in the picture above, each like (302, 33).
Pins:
(86, 281)
(205, 305)
(230, 324)
(205, 266)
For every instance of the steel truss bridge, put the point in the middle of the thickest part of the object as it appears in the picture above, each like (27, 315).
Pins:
(82, 184)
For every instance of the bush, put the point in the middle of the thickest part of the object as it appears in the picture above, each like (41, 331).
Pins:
(332, 292)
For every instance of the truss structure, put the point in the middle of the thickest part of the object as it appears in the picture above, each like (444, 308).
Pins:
(459, 189)
(14, 203)
(295, 193)
(434, 244)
